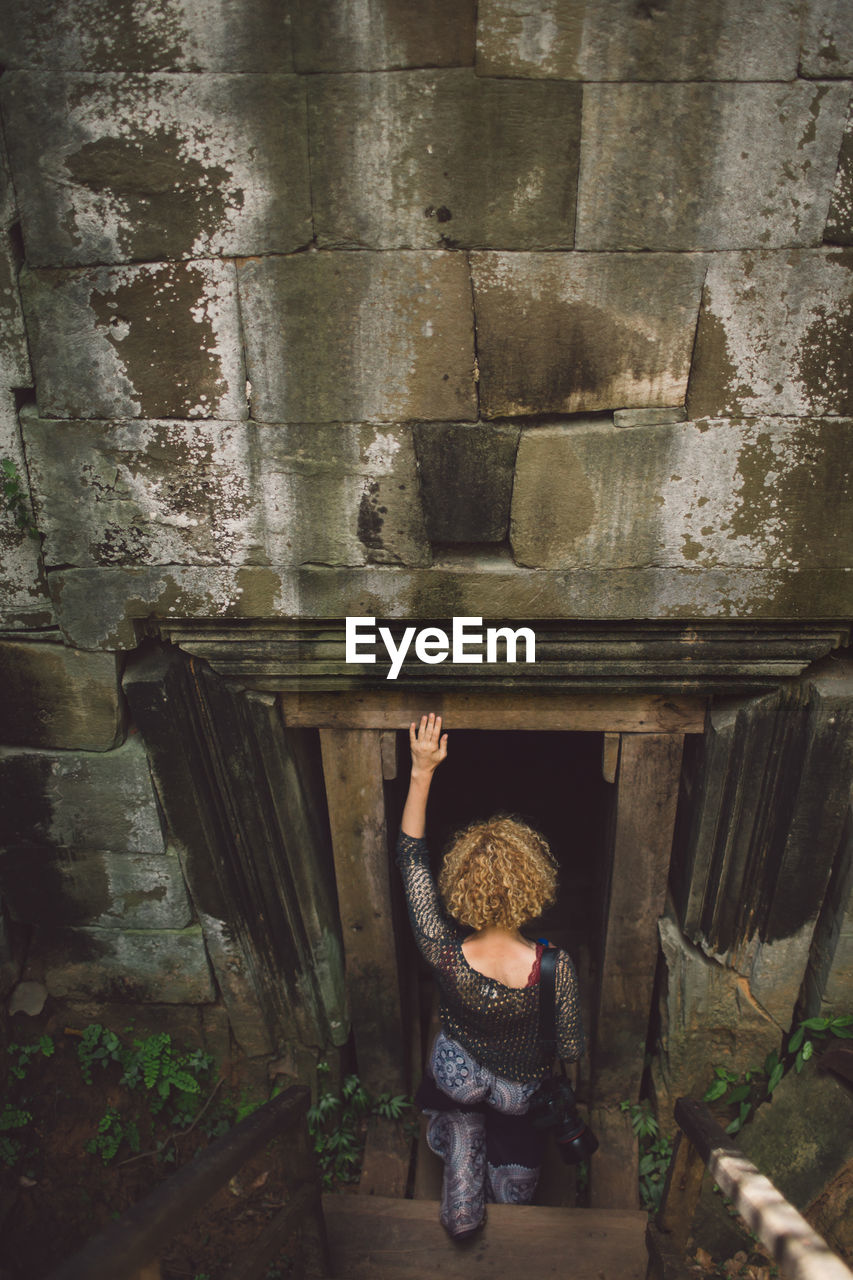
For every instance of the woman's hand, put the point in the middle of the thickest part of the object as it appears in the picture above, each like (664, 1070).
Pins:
(429, 748)
(428, 744)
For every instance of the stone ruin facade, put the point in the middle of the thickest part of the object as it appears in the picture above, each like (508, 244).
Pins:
(538, 313)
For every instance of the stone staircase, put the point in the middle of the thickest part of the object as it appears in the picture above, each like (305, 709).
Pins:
(379, 1238)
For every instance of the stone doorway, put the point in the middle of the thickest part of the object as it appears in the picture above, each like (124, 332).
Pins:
(641, 768)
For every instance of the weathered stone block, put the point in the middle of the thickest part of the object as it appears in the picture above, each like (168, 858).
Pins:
(182, 493)
(136, 35)
(775, 335)
(621, 40)
(424, 159)
(466, 475)
(827, 40)
(237, 986)
(707, 166)
(839, 224)
(163, 966)
(80, 800)
(156, 340)
(838, 974)
(649, 417)
(767, 493)
(567, 333)
(113, 168)
(374, 35)
(59, 697)
(46, 886)
(708, 1018)
(334, 337)
(804, 1136)
(24, 599)
(14, 358)
(8, 209)
(100, 608)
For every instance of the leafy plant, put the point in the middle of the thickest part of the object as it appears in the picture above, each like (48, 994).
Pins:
(750, 1089)
(21, 1055)
(113, 1130)
(337, 1123)
(655, 1152)
(11, 1117)
(16, 498)
(170, 1080)
(802, 1046)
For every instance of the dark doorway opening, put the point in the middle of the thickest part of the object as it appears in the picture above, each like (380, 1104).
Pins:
(551, 780)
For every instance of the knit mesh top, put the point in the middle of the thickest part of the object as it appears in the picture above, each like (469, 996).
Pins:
(498, 1025)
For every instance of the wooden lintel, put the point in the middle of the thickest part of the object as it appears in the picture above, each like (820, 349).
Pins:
(593, 712)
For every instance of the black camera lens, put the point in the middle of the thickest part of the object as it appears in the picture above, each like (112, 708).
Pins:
(578, 1146)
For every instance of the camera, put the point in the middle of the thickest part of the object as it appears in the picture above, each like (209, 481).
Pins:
(553, 1107)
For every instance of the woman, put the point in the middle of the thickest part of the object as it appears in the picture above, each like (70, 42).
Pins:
(486, 1061)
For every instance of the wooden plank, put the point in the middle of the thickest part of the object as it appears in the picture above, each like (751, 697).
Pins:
(798, 1250)
(352, 767)
(613, 1169)
(610, 757)
(388, 749)
(387, 1156)
(681, 1192)
(593, 712)
(646, 798)
(380, 1239)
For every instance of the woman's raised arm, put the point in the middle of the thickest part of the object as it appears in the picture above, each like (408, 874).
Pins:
(429, 748)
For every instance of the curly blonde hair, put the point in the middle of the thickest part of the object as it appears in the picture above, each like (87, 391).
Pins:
(500, 872)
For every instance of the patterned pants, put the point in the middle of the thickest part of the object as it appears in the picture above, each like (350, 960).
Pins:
(480, 1130)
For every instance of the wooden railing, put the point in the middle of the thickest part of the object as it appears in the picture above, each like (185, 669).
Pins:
(130, 1249)
(798, 1251)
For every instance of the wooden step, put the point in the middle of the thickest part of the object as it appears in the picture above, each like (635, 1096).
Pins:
(371, 1236)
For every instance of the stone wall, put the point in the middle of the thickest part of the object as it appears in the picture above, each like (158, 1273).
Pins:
(271, 277)
(405, 307)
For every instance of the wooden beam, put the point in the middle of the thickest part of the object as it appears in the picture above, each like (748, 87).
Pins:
(613, 1181)
(800, 1253)
(388, 750)
(593, 712)
(646, 798)
(610, 756)
(352, 766)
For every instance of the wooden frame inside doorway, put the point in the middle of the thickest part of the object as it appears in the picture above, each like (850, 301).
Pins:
(643, 741)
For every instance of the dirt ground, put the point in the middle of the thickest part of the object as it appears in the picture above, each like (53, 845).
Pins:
(58, 1195)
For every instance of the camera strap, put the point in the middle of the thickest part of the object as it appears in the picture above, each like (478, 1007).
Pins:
(548, 1005)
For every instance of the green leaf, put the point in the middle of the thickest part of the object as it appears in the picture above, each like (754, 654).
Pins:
(816, 1024)
(738, 1094)
(775, 1076)
(808, 1050)
(185, 1082)
(796, 1039)
(717, 1089)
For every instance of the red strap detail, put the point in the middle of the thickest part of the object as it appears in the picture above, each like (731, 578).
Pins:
(537, 965)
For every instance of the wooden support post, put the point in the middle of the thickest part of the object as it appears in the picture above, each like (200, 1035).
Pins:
(610, 756)
(645, 803)
(352, 765)
(681, 1193)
